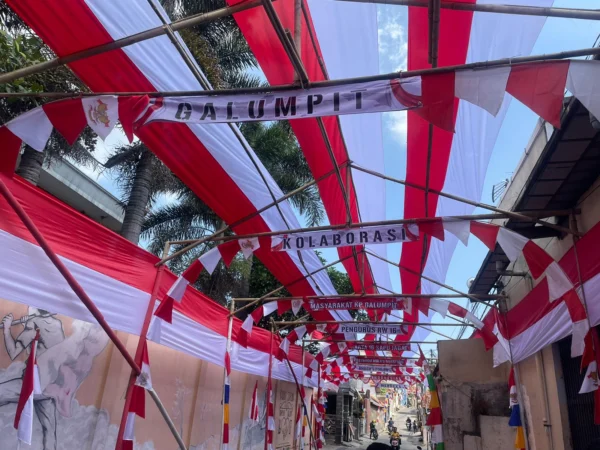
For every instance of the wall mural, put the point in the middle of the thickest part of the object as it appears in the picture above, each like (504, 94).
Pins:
(83, 381)
(64, 361)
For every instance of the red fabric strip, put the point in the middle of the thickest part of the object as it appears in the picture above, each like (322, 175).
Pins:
(129, 109)
(541, 87)
(138, 401)
(537, 259)
(435, 229)
(165, 310)
(486, 233)
(192, 273)
(228, 250)
(68, 117)
(438, 100)
(11, 145)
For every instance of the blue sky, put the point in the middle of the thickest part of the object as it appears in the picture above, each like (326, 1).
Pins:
(557, 35)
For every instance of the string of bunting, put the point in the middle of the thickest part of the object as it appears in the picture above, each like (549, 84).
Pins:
(430, 96)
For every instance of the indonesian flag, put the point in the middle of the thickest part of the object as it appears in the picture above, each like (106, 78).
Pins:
(144, 379)
(31, 386)
(226, 393)
(253, 415)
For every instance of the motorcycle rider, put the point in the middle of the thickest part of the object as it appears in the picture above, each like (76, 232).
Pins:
(373, 429)
(390, 425)
(408, 423)
(395, 436)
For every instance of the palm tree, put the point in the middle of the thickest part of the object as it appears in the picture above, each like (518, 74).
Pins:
(278, 150)
(223, 54)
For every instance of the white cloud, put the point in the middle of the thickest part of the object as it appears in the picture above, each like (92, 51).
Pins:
(396, 123)
(393, 43)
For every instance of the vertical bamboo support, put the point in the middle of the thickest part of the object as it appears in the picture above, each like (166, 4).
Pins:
(227, 350)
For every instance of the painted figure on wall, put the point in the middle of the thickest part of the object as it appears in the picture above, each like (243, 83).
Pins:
(63, 362)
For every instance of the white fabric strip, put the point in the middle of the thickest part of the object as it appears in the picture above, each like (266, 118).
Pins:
(583, 81)
(33, 128)
(351, 54)
(493, 36)
(190, 337)
(162, 65)
(485, 89)
(27, 276)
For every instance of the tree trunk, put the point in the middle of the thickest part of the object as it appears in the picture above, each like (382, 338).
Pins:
(30, 166)
(135, 212)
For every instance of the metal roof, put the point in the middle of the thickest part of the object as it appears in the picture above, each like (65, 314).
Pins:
(567, 167)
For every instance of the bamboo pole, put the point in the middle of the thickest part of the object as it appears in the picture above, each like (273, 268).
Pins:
(181, 24)
(227, 350)
(363, 322)
(511, 214)
(358, 296)
(567, 13)
(69, 278)
(299, 390)
(288, 46)
(505, 62)
(469, 296)
(495, 216)
(196, 242)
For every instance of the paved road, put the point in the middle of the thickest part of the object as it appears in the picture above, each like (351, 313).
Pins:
(409, 440)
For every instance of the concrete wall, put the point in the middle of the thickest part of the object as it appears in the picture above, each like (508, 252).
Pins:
(470, 388)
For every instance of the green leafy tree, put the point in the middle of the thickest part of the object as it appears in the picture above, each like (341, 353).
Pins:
(19, 48)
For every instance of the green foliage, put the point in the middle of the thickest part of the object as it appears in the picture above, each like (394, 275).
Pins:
(19, 48)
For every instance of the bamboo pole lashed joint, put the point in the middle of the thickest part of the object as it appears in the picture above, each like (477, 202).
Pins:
(203, 18)
(512, 214)
(504, 62)
(366, 296)
(468, 217)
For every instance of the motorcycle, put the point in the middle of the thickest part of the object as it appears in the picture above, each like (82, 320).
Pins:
(408, 425)
(395, 444)
(374, 435)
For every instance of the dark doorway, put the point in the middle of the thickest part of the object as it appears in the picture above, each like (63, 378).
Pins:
(585, 435)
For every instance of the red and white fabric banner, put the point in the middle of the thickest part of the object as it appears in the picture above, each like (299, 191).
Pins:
(355, 98)
(347, 237)
(539, 262)
(209, 260)
(69, 118)
(30, 387)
